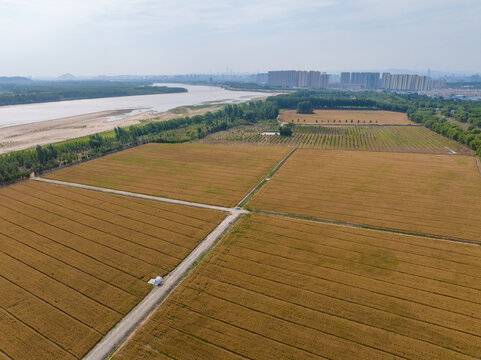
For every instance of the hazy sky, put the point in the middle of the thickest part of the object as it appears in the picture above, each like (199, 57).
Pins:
(90, 37)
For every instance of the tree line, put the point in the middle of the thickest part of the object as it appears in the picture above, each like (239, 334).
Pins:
(45, 91)
(429, 118)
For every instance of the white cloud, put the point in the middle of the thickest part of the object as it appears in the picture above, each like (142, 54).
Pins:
(140, 36)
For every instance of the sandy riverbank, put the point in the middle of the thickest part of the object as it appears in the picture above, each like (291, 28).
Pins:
(25, 136)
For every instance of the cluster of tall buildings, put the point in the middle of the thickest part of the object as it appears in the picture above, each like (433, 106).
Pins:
(398, 82)
(365, 80)
(351, 80)
(406, 82)
(298, 79)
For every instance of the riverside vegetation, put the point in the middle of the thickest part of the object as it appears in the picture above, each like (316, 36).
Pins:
(13, 93)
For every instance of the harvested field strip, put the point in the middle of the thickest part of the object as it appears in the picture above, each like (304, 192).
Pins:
(194, 185)
(393, 191)
(299, 289)
(202, 173)
(367, 138)
(348, 117)
(74, 262)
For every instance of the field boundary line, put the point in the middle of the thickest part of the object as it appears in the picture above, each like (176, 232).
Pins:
(478, 164)
(363, 226)
(135, 195)
(329, 314)
(357, 303)
(264, 180)
(142, 312)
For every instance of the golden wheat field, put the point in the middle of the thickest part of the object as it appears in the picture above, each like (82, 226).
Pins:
(278, 288)
(219, 175)
(74, 262)
(420, 193)
(346, 117)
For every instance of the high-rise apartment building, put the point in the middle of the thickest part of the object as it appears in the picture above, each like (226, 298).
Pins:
(303, 79)
(261, 78)
(299, 79)
(437, 84)
(406, 82)
(287, 78)
(345, 78)
(367, 80)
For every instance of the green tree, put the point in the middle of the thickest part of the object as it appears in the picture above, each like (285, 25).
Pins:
(304, 107)
(285, 131)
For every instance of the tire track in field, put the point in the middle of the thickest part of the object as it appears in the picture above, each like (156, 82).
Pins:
(344, 260)
(348, 284)
(347, 249)
(329, 314)
(327, 295)
(246, 330)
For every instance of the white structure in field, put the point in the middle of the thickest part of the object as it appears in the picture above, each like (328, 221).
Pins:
(271, 133)
(158, 281)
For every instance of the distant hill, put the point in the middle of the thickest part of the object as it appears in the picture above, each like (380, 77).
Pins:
(67, 77)
(14, 80)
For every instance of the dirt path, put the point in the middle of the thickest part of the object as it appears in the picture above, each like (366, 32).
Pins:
(266, 179)
(464, 126)
(135, 195)
(363, 226)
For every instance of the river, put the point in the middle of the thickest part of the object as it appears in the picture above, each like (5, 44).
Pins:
(196, 95)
